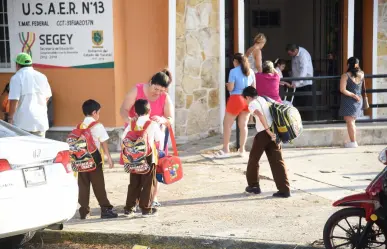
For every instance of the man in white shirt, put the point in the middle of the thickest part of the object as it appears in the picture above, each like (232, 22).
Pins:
(29, 93)
(301, 67)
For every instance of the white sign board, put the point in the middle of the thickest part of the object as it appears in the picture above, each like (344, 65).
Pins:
(63, 33)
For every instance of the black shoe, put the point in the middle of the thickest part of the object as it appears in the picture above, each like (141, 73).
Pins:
(85, 217)
(129, 213)
(108, 213)
(253, 190)
(152, 212)
(282, 194)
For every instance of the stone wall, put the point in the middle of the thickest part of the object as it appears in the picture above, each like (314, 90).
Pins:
(197, 68)
(382, 56)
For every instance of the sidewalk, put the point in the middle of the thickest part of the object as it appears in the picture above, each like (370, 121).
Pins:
(210, 203)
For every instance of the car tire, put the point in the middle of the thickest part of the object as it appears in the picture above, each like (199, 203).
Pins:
(16, 241)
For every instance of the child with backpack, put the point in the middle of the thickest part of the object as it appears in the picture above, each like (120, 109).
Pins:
(140, 154)
(265, 141)
(91, 109)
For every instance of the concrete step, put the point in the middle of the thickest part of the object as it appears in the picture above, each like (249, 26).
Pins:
(313, 136)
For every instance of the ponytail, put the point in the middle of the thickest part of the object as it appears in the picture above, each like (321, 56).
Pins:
(168, 73)
(243, 62)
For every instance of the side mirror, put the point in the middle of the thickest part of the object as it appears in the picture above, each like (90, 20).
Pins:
(383, 156)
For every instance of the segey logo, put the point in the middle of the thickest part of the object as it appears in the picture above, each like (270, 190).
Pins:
(36, 153)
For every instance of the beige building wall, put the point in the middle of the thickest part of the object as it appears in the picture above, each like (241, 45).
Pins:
(197, 68)
(382, 56)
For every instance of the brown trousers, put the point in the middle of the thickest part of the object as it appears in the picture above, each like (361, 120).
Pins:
(263, 143)
(140, 189)
(97, 180)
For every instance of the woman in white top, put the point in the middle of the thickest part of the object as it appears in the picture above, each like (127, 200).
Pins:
(254, 53)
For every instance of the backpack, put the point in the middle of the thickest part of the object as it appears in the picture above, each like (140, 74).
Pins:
(84, 154)
(286, 119)
(169, 168)
(136, 149)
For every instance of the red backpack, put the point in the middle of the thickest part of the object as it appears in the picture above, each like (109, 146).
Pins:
(136, 149)
(169, 168)
(84, 154)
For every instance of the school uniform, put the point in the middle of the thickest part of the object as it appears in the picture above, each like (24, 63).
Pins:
(96, 177)
(263, 143)
(141, 186)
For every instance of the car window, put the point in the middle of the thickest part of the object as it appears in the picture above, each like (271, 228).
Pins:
(7, 130)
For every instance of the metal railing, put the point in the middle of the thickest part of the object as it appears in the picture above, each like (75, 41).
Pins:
(318, 91)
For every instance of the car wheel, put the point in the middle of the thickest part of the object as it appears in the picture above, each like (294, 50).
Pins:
(16, 241)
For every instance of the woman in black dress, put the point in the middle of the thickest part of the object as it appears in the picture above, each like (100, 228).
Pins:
(351, 98)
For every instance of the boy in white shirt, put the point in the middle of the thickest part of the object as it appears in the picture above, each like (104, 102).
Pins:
(264, 141)
(141, 186)
(91, 109)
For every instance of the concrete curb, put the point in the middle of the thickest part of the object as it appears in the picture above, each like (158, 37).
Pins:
(159, 242)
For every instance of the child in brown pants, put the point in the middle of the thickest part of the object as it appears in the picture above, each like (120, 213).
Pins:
(141, 186)
(264, 141)
(91, 110)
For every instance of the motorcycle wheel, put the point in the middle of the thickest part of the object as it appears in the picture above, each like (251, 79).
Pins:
(351, 232)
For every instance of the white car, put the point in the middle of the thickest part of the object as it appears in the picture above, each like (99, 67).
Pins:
(38, 189)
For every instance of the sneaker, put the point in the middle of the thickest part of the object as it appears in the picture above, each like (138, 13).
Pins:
(351, 145)
(253, 190)
(282, 194)
(152, 212)
(129, 213)
(156, 204)
(108, 213)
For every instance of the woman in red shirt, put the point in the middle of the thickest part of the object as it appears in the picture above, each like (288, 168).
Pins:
(268, 82)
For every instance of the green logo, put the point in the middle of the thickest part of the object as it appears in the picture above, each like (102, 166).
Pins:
(97, 37)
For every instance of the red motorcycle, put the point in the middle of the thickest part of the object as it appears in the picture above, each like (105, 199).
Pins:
(363, 224)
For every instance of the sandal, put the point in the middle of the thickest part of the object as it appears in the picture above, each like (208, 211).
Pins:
(242, 154)
(221, 154)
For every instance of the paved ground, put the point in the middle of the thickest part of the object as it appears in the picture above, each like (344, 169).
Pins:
(210, 201)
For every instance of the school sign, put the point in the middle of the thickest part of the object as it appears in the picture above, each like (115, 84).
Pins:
(63, 34)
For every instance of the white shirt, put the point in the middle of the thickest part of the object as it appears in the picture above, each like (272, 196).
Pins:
(279, 72)
(153, 131)
(32, 90)
(261, 105)
(302, 67)
(98, 131)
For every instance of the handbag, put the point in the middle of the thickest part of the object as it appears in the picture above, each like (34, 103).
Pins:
(366, 105)
(169, 168)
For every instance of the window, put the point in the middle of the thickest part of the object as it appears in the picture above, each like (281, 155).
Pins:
(5, 51)
(267, 18)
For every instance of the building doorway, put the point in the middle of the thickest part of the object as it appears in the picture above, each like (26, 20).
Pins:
(315, 25)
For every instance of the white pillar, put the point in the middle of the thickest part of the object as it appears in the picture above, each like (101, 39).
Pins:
(172, 48)
(222, 63)
(241, 26)
(375, 55)
(351, 28)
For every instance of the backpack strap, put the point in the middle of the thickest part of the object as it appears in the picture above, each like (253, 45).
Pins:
(173, 140)
(146, 125)
(133, 124)
(92, 124)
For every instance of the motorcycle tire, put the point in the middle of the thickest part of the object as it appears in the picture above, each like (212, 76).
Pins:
(339, 216)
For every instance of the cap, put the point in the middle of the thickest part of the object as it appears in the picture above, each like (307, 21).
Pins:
(23, 59)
